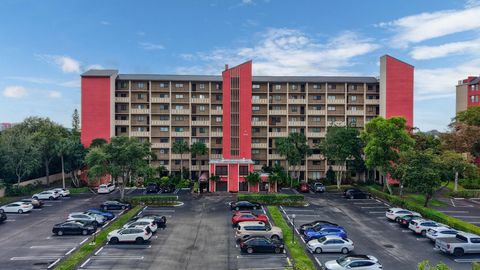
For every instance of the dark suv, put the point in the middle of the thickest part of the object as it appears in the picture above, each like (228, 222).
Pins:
(152, 188)
(3, 216)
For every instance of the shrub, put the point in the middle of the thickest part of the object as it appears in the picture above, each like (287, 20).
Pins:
(184, 183)
(273, 199)
(466, 193)
(152, 200)
(470, 183)
(334, 187)
(16, 190)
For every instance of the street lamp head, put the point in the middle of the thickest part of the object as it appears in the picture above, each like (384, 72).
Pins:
(293, 216)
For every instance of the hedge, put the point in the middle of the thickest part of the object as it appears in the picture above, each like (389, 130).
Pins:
(427, 212)
(101, 238)
(152, 200)
(334, 187)
(273, 199)
(297, 252)
(473, 193)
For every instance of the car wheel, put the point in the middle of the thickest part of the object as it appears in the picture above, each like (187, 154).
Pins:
(396, 219)
(105, 208)
(139, 240)
(424, 233)
(60, 233)
(249, 250)
(51, 198)
(345, 250)
(123, 207)
(278, 250)
(254, 208)
(35, 197)
(20, 211)
(84, 232)
(275, 237)
(350, 197)
(318, 250)
(237, 208)
(458, 252)
(114, 240)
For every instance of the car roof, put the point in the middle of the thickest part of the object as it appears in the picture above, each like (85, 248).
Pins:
(361, 257)
(329, 237)
(469, 234)
(395, 209)
(249, 223)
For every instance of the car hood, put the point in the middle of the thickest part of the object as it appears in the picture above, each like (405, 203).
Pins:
(333, 265)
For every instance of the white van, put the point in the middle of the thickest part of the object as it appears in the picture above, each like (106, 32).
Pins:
(105, 188)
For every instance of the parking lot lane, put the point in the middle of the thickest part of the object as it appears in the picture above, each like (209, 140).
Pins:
(263, 261)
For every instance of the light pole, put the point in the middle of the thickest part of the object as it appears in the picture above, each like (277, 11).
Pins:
(293, 228)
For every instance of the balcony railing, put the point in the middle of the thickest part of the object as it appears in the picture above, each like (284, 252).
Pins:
(140, 111)
(357, 112)
(259, 123)
(316, 156)
(160, 145)
(278, 134)
(297, 168)
(122, 122)
(278, 112)
(201, 123)
(257, 167)
(140, 133)
(275, 156)
(336, 123)
(296, 123)
(200, 100)
(217, 134)
(372, 101)
(217, 111)
(297, 101)
(260, 101)
(216, 156)
(339, 168)
(180, 134)
(316, 134)
(179, 156)
(181, 111)
(122, 99)
(336, 101)
(160, 122)
(199, 167)
(316, 112)
(259, 145)
(160, 100)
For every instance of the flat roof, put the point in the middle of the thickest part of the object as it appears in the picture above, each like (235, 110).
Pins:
(99, 73)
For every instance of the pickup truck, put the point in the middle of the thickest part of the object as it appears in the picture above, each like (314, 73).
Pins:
(460, 244)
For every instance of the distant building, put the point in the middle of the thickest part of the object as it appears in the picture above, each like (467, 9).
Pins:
(5, 126)
(468, 93)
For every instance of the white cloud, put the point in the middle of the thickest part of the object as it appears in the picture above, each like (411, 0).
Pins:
(430, 52)
(472, 3)
(151, 46)
(54, 94)
(287, 51)
(247, 2)
(425, 26)
(75, 83)
(94, 66)
(105, 22)
(15, 91)
(65, 63)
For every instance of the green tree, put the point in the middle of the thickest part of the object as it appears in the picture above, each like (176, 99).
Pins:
(425, 141)
(425, 265)
(198, 148)
(330, 175)
(384, 140)
(470, 117)
(124, 158)
(74, 160)
(295, 149)
(180, 147)
(253, 178)
(341, 144)
(454, 164)
(98, 142)
(75, 121)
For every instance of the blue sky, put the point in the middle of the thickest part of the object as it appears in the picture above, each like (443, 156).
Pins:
(45, 45)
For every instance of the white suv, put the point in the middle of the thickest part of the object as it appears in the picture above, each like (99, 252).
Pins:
(441, 232)
(420, 226)
(137, 235)
(248, 229)
(87, 217)
(105, 188)
(142, 223)
(395, 213)
(46, 195)
(62, 191)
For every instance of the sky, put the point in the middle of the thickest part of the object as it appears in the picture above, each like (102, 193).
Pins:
(46, 45)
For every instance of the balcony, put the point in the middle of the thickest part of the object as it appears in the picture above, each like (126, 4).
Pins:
(296, 168)
(260, 101)
(316, 112)
(216, 134)
(357, 112)
(160, 122)
(180, 156)
(160, 145)
(180, 133)
(180, 111)
(160, 100)
(199, 167)
(140, 111)
(201, 100)
(122, 99)
(278, 112)
(372, 101)
(336, 123)
(201, 123)
(140, 134)
(338, 168)
(296, 123)
(217, 112)
(257, 167)
(275, 156)
(316, 134)
(278, 134)
(122, 122)
(317, 157)
(259, 145)
(297, 101)
(336, 101)
(216, 156)
(259, 123)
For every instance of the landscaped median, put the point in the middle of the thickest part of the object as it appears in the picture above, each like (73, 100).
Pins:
(85, 250)
(299, 256)
(158, 200)
(273, 199)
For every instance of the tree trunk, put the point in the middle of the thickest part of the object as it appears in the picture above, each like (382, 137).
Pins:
(455, 187)
(63, 171)
(427, 199)
(181, 167)
(47, 172)
(386, 185)
(401, 189)
(74, 178)
(18, 179)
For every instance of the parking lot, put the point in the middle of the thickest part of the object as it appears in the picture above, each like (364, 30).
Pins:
(461, 208)
(372, 234)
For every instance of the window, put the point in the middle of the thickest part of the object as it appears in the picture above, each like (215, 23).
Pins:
(141, 106)
(255, 119)
(217, 86)
(331, 98)
(163, 117)
(255, 97)
(256, 86)
(353, 98)
(255, 108)
(255, 151)
(352, 87)
(201, 130)
(317, 86)
(370, 87)
(294, 130)
(316, 130)
(178, 107)
(218, 119)
(141, 85)
(332, 86)
(179, 96)
(201, 108)
(141, 118)
(201, 86)
(316, 119)
(218, 97)
(294, 109)
(179, 129)
(163, 129)
(221, 170)
(332, 119)
(140, 96)
(163, 85)
(255, 130)
(243, 170)
(317, 97)
(316, 175)
(163, 107)
(123, 129)
(123, 107)
(179, 118)
(294, 87)
(179, 85)
(278, 86)
(123, 85)
(164, 151)
(255, 140)
(277, 97)
(164, 95)
(164, 140)
(317, 107)
(331, 108)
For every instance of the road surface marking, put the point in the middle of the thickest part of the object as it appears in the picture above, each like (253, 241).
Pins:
(55, 262)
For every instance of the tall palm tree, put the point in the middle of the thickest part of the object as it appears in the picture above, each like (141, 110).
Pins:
(253, 178)
(180, 147)
(199, 148)
(295, 149)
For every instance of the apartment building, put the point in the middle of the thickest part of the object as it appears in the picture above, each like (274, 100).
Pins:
(237, 115)
(467, 93)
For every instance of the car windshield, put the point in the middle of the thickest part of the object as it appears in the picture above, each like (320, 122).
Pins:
(322, 239)
(343, 261)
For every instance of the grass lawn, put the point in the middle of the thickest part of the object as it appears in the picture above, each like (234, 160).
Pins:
(452, 184)
(420, 199)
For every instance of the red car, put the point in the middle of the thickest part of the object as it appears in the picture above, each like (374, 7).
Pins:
(249, 217)
(304, 188)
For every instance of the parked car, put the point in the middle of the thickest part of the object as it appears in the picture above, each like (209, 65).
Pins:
(330, 243)
(357, 194)
(395, 213)
(98, 211)
(3, 216)
(235, 213)
(167, 188)
(34, 202)
(142, 223)
(73, 227)
(303, 187)
(137, 235)
(249, 217)
(348, 190)
(261, 244)
(364, 262)
(317, 187)
(420, 226)
(441, 232)
(318, 232)
(404, 221)
(244, 205)
(161, 221)
(105, 188)
(114, 205)
(86, 217)
(46, 195)
(309, 225)
(62, 191)
(152, 188)
(17, 207)
(257, 228)
(462, 243)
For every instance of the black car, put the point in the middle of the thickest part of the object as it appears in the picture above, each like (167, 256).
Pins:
(405, 220)
(357, 194)
(152, 188)
(348, 190)
(161, 221)
(261, 244)
(3, 216)
(312, 224)
(36, 203)
(73, 227)
(114, 205)
(167, 188)
(244, 205)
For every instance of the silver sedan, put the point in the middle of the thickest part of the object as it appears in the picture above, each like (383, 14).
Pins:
(330, 243)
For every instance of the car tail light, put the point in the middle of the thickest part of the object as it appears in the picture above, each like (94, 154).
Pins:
(417, 227)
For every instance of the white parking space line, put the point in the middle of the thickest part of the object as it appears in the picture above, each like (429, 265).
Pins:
(70, 251)
(36, 209)
(83, 241)
(318, 262)
(298, 210)
(467, 260)
(34, 258)
(9, 220)
(465, 216)
(98, 251)
(372, 207)
(47, 205)
(303, 215)
(120, 257)
(51, 246)
(160, 210)
(423, 239)
(366, 203)
(53, 264)
(406, 231)
(261, 256)
(85, 263)
(376, 212)
(451, 211)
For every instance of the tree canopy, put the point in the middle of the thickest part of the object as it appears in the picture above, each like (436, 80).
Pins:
(294, 148)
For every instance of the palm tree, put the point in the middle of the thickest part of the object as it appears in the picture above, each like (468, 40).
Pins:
(180, 147)
(253, 178)
(295, 149)
(199, 148)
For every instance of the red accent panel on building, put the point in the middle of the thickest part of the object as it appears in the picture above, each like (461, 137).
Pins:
(399, 89)
(233, 177)
(95, 109)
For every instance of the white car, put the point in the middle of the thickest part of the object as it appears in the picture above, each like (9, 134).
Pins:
(137, 235)
(395, 213)
(105, 188)
(17, 207)
(441, 232)
(363, 262)
(421, 226)
(330, 243)
(93, 219)
(142, 223)
(62, 191)
(46, 195)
